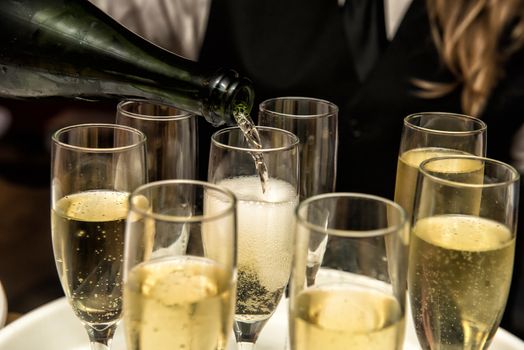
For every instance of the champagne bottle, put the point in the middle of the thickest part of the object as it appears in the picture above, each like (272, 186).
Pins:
(71, 48)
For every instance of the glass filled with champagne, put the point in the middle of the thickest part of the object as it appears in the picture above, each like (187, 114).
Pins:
(180, 266)
(357, 245)
(171, 137)
(265, 219)
(434, 134)
(462, 251)
(94, 167)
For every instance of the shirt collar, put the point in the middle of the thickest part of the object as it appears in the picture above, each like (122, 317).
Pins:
(394, 11)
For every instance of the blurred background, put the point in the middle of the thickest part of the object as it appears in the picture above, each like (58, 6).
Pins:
(27, 268)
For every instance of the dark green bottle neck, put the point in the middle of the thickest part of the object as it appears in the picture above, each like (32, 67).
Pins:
(75, 40)
(228, 91)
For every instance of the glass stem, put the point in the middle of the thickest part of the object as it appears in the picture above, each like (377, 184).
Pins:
(100, 346)
(246, 346)
(246, 333)
(100, 338)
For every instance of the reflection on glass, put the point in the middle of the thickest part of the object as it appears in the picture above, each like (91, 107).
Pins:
(428, 135)
(356, 299)
(315, 122)
(462, 251)
(171, 137)
(94, 168)
(180, 295)
(265, 220)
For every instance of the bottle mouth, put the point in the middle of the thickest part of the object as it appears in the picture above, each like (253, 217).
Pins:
(228, 92)
(243, 97)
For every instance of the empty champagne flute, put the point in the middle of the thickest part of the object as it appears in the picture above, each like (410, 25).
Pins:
(462, 250)
(171, 137)
(177, 299)
(433, 134)
(265, 219)
(315, 122)
(94, 167)
(358, 297)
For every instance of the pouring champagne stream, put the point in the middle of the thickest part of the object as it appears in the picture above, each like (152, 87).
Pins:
(245, 123)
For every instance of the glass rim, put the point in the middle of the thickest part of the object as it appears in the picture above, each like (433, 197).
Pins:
(333, 108)
(515, 175)
(352, 233)
(180, 116)
(139, 143)
(294, 140)
(182, 219)
(481, 125)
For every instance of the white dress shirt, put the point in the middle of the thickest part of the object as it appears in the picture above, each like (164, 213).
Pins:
(176, 25)
(394, 11)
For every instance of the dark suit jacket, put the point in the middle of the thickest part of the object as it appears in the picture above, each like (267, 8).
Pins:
(299, 48)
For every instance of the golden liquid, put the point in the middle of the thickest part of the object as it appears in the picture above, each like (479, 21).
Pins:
(178, 303)
(343, 316)
(459, 279)
(407, 171)
(88, 243)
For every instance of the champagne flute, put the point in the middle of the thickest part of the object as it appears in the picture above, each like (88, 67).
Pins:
(315, 122)
(94, 168)
(462, 250)
(171, 137)
(358, 297)
(174, 299)
(433, 134)
(265, 219)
